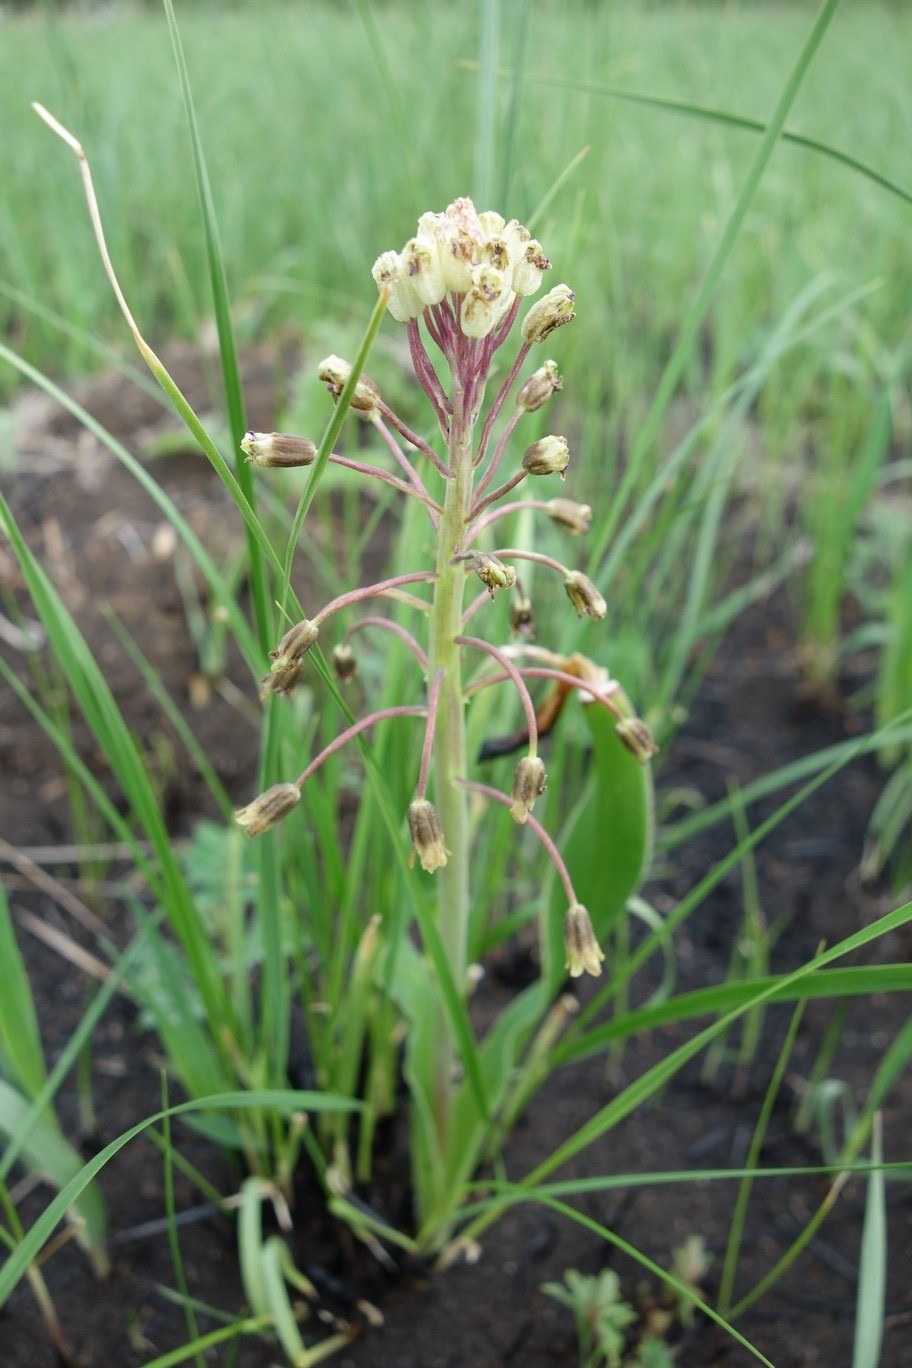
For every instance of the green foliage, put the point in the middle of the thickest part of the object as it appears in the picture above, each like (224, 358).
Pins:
(268, 1273)
(324, 920)
(605, 1320)
(652, 1353)
(602, 1315)
(21, 1053)
(27, 1114)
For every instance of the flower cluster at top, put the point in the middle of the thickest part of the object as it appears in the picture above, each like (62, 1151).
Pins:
(480, 258)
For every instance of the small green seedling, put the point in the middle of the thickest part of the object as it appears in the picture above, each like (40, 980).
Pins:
(602, 1315)
(604, 1319)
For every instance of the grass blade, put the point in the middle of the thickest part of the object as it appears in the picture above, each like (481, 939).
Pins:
(227, 348)
(106, 722)
(872, 1273)
(20, 1040)
(736, 1230)
(644, 1087)
(694, 316)
(286, 1101)
(667, 1278)
(728, 118)
(46, 1152)
(840, 984)
(210, 571)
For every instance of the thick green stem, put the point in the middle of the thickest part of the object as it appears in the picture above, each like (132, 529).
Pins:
(449, 743)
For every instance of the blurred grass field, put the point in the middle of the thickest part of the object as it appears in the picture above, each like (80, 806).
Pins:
(329, 127)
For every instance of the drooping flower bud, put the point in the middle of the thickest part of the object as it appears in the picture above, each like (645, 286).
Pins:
(492, 572)
(575, 517)
(345, 665)
(549, 313)
(538, 389)
(461, 241)
(282, 681)
(584, 954)
(522, 618)
(427, 836)
(404, 301)
(584, 596)
(420, 258)
(268, 809)
(296, 642)
(485, 303)
(529, 783)
(529, 269)
(549, 456)
(638, 739)
(334, 372)
(278, 449)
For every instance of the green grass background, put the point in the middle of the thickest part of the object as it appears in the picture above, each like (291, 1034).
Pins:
(328, 130)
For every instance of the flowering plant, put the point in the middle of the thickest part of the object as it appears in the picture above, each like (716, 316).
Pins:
(463, 276)
(232, 969)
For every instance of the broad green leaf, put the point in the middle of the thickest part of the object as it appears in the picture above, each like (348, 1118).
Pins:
(609, 843)
(413, 990)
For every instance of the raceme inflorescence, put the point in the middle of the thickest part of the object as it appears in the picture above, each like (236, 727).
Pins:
(459, 284)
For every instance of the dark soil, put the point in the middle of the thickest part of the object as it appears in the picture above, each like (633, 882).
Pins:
(107, 545)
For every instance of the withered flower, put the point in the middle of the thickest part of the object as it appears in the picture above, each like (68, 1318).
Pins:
(268, 808)
(278, 449)
(492, 572)
(637, 737)
(584, 596)
(529, 783)
(427, 836)
(549, 456)
(569, 514)
(584, 954)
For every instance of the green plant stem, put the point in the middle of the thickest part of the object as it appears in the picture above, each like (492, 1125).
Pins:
(450, 741)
